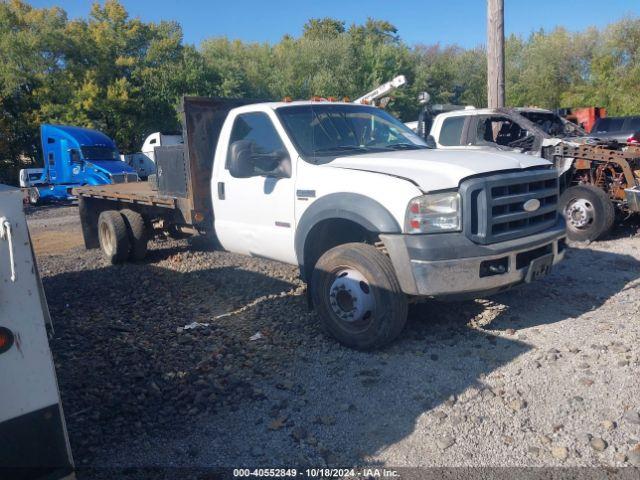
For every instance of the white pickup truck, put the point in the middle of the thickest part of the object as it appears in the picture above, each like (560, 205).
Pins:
(369, 213)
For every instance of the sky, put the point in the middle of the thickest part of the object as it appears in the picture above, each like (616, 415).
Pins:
(461, 22)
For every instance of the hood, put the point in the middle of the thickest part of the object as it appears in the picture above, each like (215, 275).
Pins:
(112, 166)
(434, 169)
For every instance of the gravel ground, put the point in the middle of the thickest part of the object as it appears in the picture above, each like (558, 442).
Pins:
(544, 375)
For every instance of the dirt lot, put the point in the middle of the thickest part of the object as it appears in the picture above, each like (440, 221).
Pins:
(543, 375)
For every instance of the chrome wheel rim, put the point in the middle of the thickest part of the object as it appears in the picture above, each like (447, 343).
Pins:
(351, 297)
(106, 239)
(579, 213)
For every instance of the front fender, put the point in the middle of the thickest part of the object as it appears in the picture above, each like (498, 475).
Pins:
(365, 211)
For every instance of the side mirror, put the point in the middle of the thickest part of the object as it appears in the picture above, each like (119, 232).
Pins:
(240, 159)
(244, 162)
(276, 164)
(431, 142)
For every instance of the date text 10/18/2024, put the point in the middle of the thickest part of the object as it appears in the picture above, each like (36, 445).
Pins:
(315, 472)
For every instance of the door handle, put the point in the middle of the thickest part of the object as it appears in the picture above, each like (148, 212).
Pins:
(5, 234)
(221, 190)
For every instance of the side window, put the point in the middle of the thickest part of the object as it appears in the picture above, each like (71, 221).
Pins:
(451, 131)
(152, 141)
(633, 124)
(500, 130)
(256, 141)
(75, 155)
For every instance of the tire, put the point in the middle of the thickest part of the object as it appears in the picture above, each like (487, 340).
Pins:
(138, 234)
(588, 211)
(113, 237)
(357, 271)
(34, 196)
(153, 181)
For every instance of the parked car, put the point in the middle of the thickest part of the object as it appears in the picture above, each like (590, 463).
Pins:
(369, 213)
(615, 128)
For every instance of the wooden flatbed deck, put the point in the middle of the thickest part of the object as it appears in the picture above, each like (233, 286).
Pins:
(133, 192)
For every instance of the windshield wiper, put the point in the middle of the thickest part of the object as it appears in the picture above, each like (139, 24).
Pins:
(404, 146)
(342, 148)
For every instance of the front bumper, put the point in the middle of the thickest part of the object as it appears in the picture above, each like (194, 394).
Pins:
(451, 265)
(633, 198)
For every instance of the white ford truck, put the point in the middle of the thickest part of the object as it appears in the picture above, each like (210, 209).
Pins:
(369, 213)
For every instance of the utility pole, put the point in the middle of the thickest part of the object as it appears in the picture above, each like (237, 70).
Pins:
(495, 53)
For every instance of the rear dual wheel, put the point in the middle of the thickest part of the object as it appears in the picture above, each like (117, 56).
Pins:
(123, 235)
(138, 234)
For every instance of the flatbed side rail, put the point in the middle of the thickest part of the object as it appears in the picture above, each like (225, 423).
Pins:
(139, 193)
(141, 200)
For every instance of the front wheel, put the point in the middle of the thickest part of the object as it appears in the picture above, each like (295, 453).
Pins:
(34, 196)
(358, 297)
(588, 211)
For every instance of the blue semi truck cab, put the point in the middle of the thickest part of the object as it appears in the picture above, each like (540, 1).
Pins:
(73, 157)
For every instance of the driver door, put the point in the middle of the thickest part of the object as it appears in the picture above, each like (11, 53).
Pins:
(254, 212)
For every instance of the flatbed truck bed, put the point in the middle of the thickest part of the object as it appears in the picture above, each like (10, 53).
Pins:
(179, 201)
(136, 192)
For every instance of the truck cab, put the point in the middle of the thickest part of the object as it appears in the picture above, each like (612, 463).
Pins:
(75, 156)
(333, 186)
(515, 128)
(369, 212)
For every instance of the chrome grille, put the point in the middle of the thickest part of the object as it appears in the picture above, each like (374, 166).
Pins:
(124, 177)
(494, 205)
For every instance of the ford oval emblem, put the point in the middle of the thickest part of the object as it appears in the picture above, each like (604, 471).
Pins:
(531, 205)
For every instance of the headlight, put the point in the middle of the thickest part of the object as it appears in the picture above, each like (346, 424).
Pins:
(436, 212)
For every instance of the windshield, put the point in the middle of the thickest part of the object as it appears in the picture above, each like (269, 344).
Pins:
(99, 153)
(617, 124)
(553, 124)
(333, 130)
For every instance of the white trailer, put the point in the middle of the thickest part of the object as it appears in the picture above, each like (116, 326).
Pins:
(33, 436)
(144, 162)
